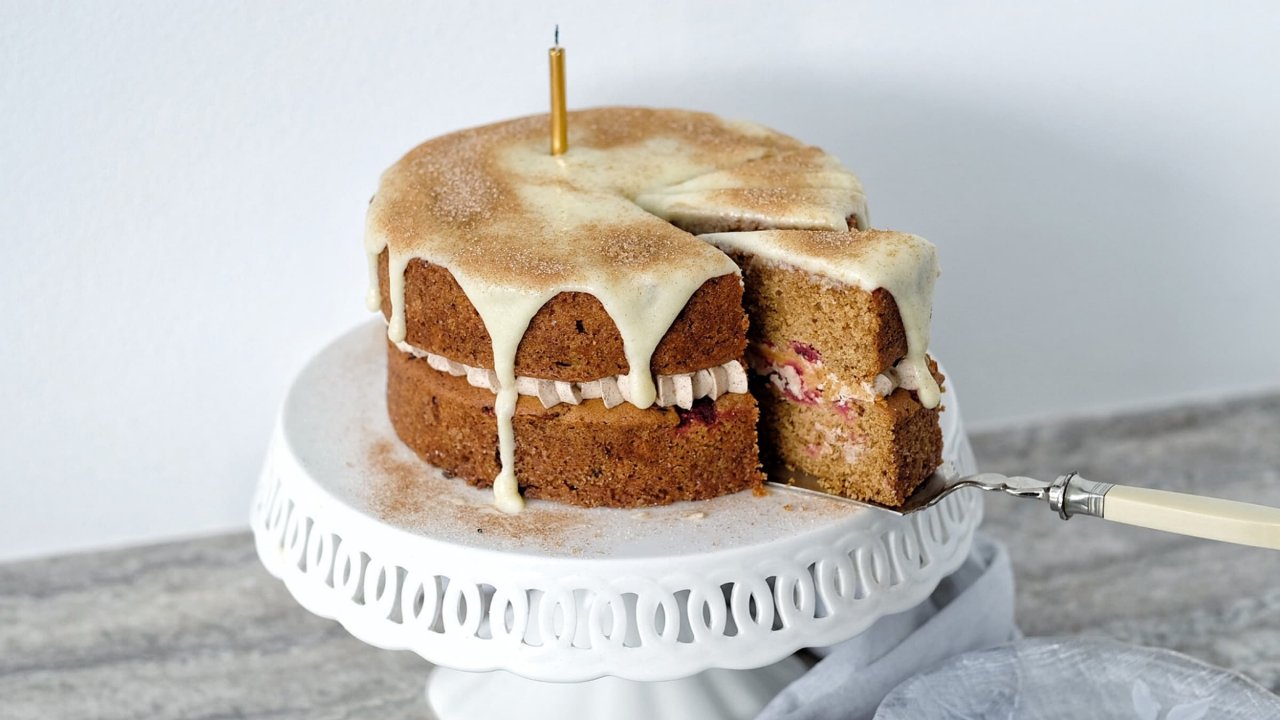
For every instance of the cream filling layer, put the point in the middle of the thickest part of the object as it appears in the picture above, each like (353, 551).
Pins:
(678, 390)
(790, 381)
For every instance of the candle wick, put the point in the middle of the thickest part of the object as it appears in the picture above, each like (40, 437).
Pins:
(557, 35)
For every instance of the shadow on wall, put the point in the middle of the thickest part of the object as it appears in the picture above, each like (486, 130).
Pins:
(1073, 264)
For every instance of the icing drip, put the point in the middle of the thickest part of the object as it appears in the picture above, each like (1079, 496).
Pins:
(643, 313)
(373, 298)
(905, 265)
(396, 264)
(506, 314)
(672, 390)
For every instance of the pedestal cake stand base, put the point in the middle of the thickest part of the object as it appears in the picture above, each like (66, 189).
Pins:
(693, 609)
(715, 693)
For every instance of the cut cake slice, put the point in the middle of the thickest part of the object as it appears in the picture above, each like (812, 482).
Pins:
(838, 323)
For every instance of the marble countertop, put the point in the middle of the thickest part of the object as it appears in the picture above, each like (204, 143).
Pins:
(197, 629)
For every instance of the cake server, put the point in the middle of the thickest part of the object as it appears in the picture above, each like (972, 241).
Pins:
(1071, 495)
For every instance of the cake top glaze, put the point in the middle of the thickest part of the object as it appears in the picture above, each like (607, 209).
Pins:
(490, 201)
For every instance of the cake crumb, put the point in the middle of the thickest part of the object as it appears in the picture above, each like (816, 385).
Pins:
(788, 507)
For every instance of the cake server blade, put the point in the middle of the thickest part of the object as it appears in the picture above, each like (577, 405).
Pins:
(1070, 495)
(940, 484)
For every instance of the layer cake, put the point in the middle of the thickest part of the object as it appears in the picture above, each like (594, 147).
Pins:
(611, 326)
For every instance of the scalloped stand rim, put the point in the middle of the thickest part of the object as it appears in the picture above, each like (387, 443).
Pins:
(750, 582)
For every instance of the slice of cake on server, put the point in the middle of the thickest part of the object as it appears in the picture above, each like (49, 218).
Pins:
(839, 333)
(557, 329)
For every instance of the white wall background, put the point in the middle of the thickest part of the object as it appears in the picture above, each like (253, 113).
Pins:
(183, 186)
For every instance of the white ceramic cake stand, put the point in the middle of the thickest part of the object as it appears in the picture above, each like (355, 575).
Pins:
(689, 610)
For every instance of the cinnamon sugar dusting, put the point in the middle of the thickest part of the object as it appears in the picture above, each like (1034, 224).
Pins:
(405, 492)
(846, 246)
(398, 494)
(538, 525)
(805, 167)
(781, 201)
(490, 201)
(606, 128)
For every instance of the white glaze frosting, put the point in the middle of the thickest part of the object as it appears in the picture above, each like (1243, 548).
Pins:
(679, 390)
(516, 226)
(748, 194)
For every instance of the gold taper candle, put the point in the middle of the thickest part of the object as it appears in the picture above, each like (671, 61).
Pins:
(559, 115)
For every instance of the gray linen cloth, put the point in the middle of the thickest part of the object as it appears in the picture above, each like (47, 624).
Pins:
(971, 609)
